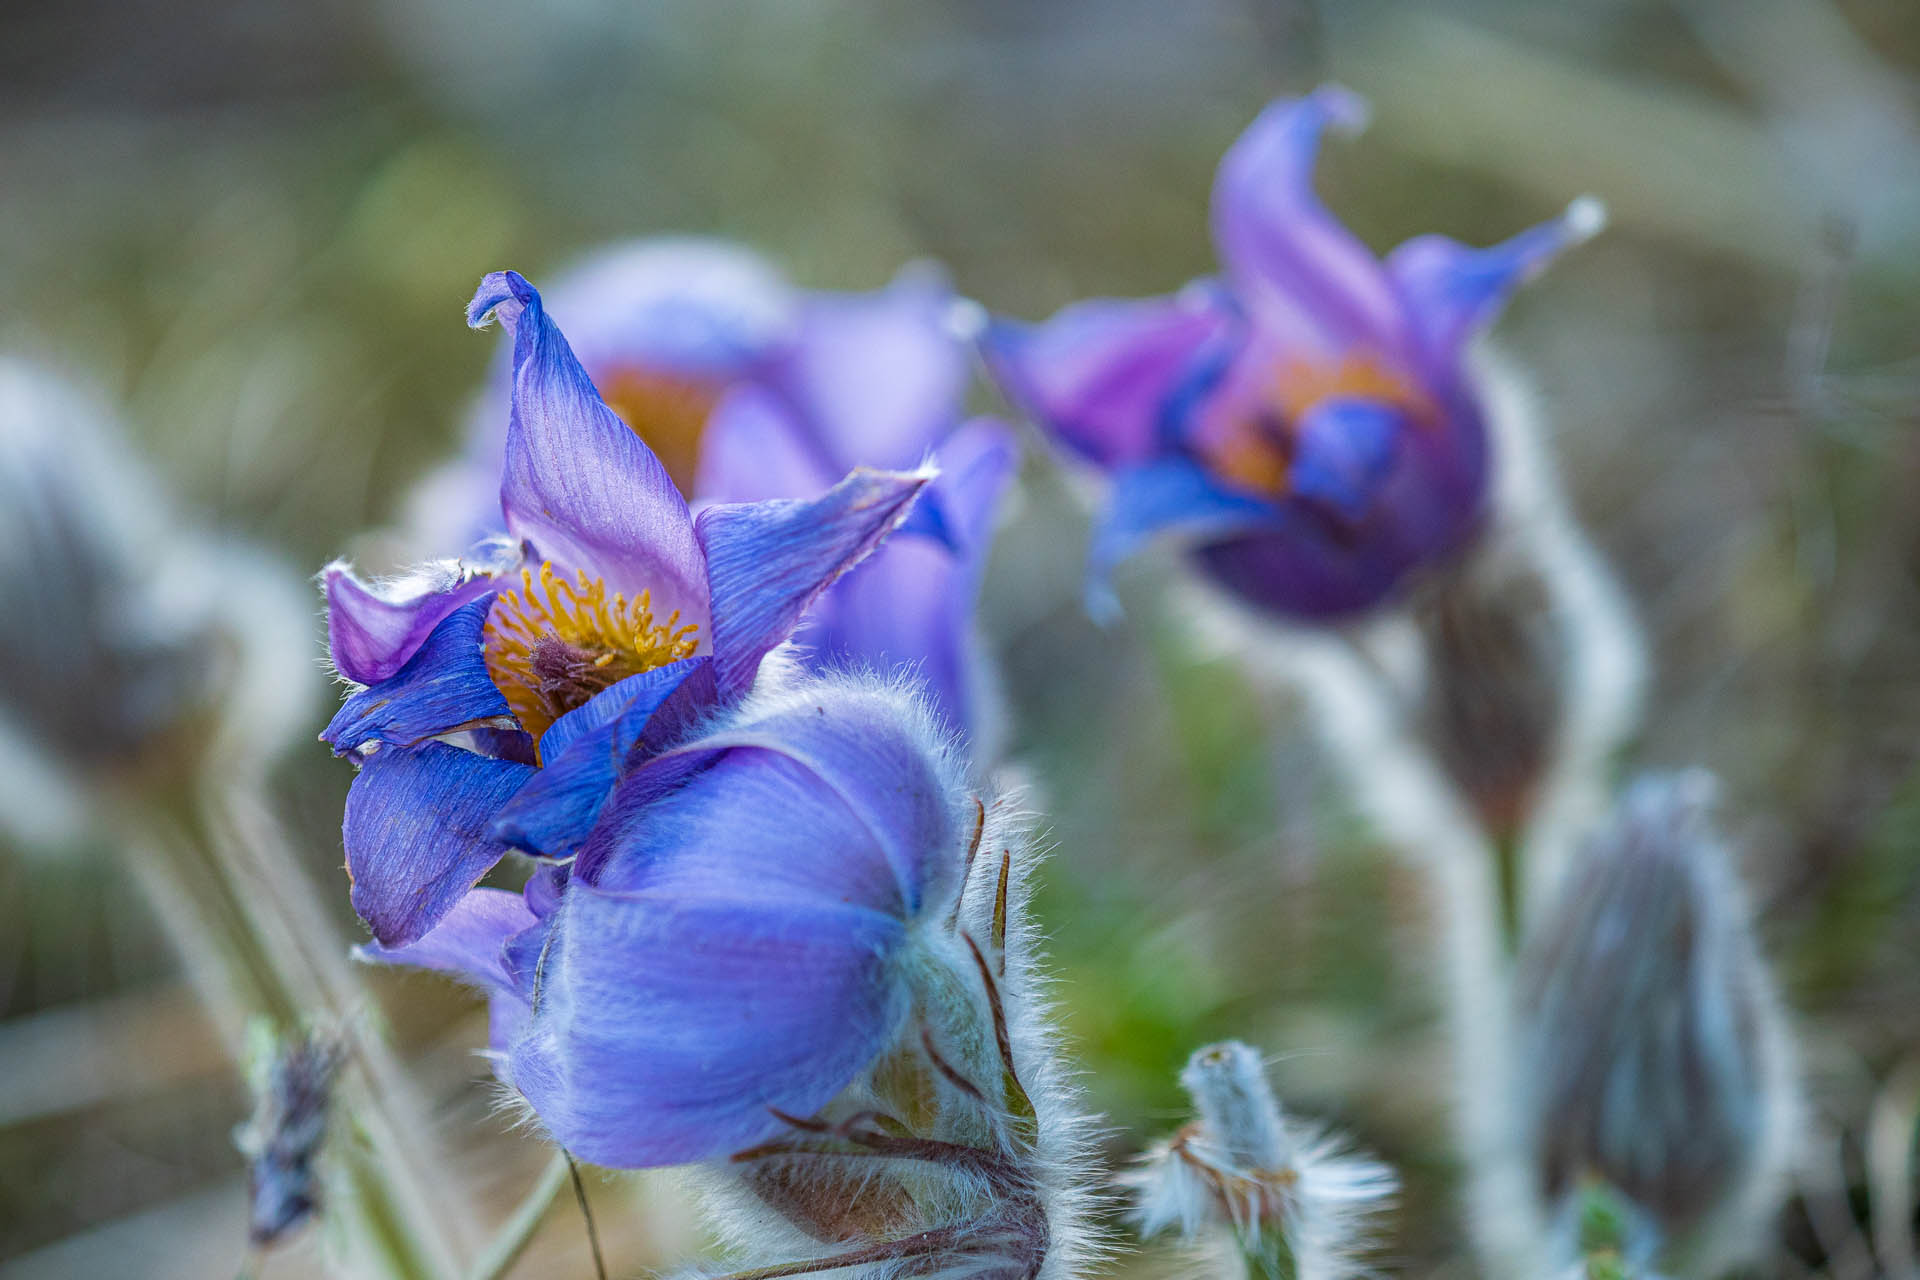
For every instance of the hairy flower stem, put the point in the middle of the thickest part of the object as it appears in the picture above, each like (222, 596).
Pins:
(227, 889)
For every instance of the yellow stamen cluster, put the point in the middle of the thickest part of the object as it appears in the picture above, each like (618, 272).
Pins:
(1256, 453)
(553, 643)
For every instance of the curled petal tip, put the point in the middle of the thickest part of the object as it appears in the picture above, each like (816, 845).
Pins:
(1344, 109)
(1584, 219)
(966, 320)
(505, 292)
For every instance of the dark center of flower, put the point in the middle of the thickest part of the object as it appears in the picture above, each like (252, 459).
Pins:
(552, 644)
(1255, 452)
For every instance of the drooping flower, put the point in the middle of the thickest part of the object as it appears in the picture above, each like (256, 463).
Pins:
(794, 943)
(504, 696)
(1655, 1062)
(747, 390)
(1297, 1204)
(1306, 422)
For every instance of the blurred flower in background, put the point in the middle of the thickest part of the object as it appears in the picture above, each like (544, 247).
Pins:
(1306, 421)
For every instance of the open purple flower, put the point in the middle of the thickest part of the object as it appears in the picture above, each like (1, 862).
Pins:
(502, 700)
(742, 935)
(747, 390)
(1305, 421)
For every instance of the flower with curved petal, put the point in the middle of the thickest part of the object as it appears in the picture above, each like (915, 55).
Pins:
(1305, 421)
(615, 621)
(748, 390)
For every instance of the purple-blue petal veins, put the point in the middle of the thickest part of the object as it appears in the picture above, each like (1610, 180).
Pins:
(470, 942)
(372, 632)
(1331, 395)
(442, 688)
(770, 560)
(417, 833)
(587, 751)
(579, 486)
(736, 951)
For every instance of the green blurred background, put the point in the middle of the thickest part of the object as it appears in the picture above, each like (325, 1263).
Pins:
(254, 227)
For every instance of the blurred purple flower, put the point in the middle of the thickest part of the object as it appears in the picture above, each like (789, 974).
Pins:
(504, 698)
(746, 390)
(1305, 420)
(740, 937)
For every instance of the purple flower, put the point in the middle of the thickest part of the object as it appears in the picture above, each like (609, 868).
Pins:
(505, 697)
(742, 935)
(748, 390)
(1305, 421)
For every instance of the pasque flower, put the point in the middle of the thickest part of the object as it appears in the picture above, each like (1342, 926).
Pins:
(747, 389)
(795, 943)
(503, 696)
(1306, 421)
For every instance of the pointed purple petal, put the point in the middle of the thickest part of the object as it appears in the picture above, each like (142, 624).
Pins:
(416, 833)
(769, 560)
(443, 687)
(1305, 278)
(670, 1031)
(579, 485)
(596, 745)
(372, 631)
(469, 943)
(912, 602)
(1452, 290)
(1098, 374)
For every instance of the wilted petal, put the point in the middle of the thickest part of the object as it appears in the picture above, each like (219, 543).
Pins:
(416, 833)
(443, 687)
(372, 631)
(770, 560)
(1099, 374)
(1453, 290)
(670, 1031)
(588, 749)
(1304, 276)
(579, 485)
(469, 943)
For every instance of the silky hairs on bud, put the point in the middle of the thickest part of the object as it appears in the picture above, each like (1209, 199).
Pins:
(1297, 1203)
(1652, 1044)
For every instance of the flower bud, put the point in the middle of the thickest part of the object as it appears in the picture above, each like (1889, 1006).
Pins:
(293, 1091)
(1296, 1202)
(1652, 1045)
(128, 637)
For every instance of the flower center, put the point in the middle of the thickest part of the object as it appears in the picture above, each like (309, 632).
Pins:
(552, 644)
(1255, 451)
(666, 411)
